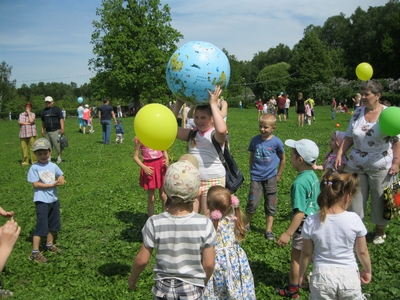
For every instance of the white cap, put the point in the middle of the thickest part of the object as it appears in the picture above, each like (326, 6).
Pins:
(48, 99)
(307, 149)
(86, 105)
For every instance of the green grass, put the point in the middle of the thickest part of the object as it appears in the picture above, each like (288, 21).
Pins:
(103, 209)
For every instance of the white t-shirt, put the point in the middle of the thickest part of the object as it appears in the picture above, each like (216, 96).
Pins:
(210, 166)
(287, 103)
(334, 239)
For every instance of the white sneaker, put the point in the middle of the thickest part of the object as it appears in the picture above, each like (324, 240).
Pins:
(379, 239)
(59, 160)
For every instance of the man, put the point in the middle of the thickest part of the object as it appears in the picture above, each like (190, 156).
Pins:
(281, 107)
(53, 122)
(105, 114)
(311, 102)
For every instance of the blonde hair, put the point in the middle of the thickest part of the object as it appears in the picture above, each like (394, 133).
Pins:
(219, 198)
(334, 186)
(268, 118)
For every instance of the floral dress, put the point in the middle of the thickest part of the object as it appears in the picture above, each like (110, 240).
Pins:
(232, 277)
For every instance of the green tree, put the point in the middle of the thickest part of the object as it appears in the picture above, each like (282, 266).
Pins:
(132, 42)
(272, 80)
(7, 88)
(311, 63)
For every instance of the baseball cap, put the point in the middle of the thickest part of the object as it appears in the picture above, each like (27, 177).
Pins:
(41, 144)
(48, 99)
(307, 149)
(86, 105)
(182, 179)
(281, 93)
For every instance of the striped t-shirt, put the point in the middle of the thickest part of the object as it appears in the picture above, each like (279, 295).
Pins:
(179, 241)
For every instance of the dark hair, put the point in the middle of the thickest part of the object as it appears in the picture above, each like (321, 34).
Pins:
(205, 108)
(334, 186)
(105, 100)
(219, 198)
(28, 103)
(372, 85)
(178, 202)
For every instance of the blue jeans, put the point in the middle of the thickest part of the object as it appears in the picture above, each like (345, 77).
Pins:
(106, 124)
(333, 115)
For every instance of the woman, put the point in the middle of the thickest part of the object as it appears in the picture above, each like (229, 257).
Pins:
(374, 156)
(300, 109)
(27, 133)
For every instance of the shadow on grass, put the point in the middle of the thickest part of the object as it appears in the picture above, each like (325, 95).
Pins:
(133, 233)
(114, 269)
(266, 275)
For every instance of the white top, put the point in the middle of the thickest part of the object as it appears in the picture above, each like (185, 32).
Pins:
(372, 149)
(210, 166)
(334, 239)
(287, 103)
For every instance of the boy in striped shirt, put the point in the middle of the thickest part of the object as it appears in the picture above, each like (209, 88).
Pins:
(184, 239)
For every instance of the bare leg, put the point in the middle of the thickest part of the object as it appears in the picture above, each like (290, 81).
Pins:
(150, 202)
(163, 197)
(269, 220)
(36, 242)
(294, 266)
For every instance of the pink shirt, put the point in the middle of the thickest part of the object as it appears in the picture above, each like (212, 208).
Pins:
(147, 153)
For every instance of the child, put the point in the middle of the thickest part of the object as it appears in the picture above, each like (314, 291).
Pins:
(266, 154)
(330, 237)
(86, 115)
(308, 114)
(152, 173)
(209, 122)
(232, 277)
(119, 130)
(45, 177)
(184, 240)
(303, 193)
(329, 161)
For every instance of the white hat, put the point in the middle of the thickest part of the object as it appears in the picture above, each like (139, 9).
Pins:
(86, 105)
(183, 179)
(48, 99)
(307, 149)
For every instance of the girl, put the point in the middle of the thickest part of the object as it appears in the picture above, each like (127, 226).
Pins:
(232, 277)
(300, 110)
(152, 173)
(334, 143)
(308, 114)
(330, 236)
(209, 123)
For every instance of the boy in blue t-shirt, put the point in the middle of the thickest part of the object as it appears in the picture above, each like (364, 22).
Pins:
(45, 177)
(119, 130)
(303, 194)
(266, 154)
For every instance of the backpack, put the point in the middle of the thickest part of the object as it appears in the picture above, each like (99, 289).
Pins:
(234, 177)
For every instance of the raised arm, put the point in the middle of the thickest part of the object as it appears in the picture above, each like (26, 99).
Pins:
(219, 123)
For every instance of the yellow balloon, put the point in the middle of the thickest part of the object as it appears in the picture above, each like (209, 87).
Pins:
(364, 71)
(155, 126)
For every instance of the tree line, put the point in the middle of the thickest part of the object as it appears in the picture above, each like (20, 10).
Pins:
(133, 41)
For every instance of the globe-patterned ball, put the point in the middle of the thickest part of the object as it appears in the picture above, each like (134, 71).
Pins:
(195, 68)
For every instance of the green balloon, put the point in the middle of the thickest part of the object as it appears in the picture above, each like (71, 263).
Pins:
(389, 121)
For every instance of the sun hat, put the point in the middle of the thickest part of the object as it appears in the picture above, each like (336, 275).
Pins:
(182, 179)
(48, 99)
(307, 149)
(41, 144)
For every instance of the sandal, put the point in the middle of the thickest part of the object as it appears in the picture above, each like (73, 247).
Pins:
(285, 292)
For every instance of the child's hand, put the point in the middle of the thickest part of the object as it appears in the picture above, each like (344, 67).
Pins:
(9, 234)
(60, 181)
(166, 162)
(148, 170)
(215, 96)
(131, 283)
(283, 239)
(365, 277)
(7, 214)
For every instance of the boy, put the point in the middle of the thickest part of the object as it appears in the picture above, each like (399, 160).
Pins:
(303, 193)
(266, 154)
(45, 177)
(119, 130)
(184, 240)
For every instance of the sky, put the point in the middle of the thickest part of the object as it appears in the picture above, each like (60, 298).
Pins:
(49, 40)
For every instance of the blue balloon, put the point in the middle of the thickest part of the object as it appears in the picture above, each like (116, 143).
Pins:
(80, 99)
(195, 68)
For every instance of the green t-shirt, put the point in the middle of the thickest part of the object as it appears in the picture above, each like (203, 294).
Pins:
(304, 193)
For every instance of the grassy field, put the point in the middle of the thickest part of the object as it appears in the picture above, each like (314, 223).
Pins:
(103, 210)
